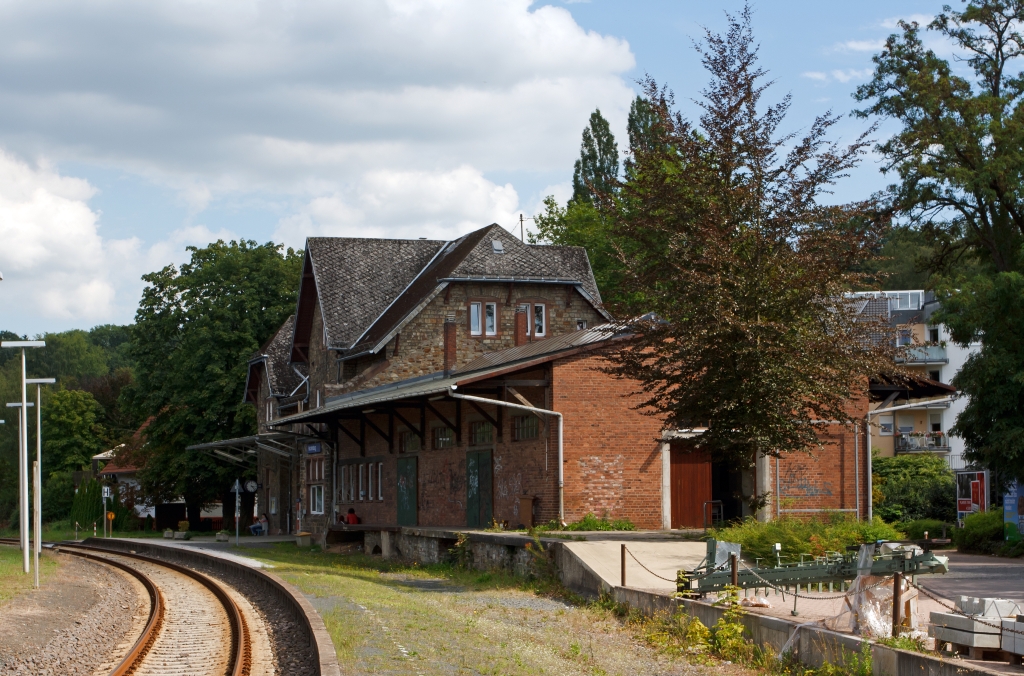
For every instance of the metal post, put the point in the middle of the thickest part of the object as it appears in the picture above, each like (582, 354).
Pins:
(35, 550)
(623, 577)
(897, 602)
(734, 563)
(238, 507)
(23, 465)
(37, 507)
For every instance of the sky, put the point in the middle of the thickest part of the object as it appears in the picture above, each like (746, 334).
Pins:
(130, 131)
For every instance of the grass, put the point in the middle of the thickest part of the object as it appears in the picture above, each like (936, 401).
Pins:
(814, 537)
(12, 580)
(62, 530)
(589, 523)
(406, 619)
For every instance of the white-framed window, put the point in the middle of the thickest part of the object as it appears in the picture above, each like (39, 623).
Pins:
(885, 424)
(362, 482)
(483, 319)
(934, 422)
(352, 483)
(380, 481)
(343, 483)
(905, 423)
(904, 337)
(540, 323)
(581, 324)
(475, 319)
(316, 499)
(315, 469)
(370, 481)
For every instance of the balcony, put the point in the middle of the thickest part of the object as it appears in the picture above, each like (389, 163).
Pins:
(925, 354)
(922, 442)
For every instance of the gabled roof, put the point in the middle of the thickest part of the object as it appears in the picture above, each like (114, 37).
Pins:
(368, 288)
(272, 361)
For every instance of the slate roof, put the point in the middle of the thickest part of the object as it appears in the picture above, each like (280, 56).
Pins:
(367, 288)
(274, 358)
(356, 279)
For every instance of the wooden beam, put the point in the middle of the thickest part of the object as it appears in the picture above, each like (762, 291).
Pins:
(419, 432)
(484, 413)
(360, 440)
(440, 416)
(383, 435)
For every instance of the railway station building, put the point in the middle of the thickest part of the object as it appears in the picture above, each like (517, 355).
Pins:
(460, 383)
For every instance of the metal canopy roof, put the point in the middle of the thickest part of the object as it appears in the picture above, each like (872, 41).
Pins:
(242, 450)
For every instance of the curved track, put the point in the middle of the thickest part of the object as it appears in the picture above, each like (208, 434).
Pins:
(194, 626)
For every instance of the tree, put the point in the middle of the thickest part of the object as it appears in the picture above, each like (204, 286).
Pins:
(194, 332)
(72, 433)
(959, 158)
(597, 170)
(722, 239)
(914, 486)
(641, 128)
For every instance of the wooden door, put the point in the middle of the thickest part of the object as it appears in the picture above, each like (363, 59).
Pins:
(406, 492)
(690, 486)
(479, 503)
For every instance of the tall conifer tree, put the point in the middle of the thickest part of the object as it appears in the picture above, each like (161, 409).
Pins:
(597, 170)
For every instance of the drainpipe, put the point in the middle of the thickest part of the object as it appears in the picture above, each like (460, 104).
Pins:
(867, 425)
(536, 411)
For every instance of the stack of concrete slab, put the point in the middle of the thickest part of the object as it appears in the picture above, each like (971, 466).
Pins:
(1013, 637)
(980, 632)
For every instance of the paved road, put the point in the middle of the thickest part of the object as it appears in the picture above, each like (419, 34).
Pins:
(981, 576)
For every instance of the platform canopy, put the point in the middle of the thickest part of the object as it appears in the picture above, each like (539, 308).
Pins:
(242, 450)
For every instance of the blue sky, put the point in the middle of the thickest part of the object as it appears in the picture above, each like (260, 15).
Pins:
(129, 131)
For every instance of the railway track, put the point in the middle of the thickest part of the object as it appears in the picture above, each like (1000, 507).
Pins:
(194, 626)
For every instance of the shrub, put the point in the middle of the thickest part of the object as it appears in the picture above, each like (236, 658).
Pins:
(982, 533)
(830, 533)
(911, 487)
(915, 530)
(182, 526)
(591, 522)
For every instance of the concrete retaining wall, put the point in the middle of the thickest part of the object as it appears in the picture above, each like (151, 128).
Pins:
(303, 612)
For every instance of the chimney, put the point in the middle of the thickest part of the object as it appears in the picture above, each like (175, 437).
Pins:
(522, 317)
(450, 333)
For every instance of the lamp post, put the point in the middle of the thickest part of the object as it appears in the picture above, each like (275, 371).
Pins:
(22, 477)
(23, 455)
(37, 479)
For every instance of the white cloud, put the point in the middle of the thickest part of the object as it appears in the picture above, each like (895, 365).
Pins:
(852, 74)
(815, 75)
(861, 45)
(440, 205)
(56, 264)
(921, 19)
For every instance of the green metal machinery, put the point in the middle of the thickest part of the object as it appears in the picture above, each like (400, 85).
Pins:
(881, 559)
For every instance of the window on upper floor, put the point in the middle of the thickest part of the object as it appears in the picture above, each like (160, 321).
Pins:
(444, 437)
(581, 324)
(408, 441)
(480, 432)
(933, 335)
(540, 323)
(885, 425)
(483, 319)
(525, 427)
(315, 469)
(904, 337)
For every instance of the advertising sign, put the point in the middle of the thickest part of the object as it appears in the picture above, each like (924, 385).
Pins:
(971, 492)
(1013, 512)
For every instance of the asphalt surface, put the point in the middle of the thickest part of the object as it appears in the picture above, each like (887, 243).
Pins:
(980, 576)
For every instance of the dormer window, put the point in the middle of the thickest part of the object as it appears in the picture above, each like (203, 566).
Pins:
(537, 320)
(497, 247)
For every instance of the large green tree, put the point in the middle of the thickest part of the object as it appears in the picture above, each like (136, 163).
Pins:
(959, 161)
(723, 235)
(597, 170)
(194, 332)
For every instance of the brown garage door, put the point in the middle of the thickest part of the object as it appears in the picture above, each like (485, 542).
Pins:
(691, 486)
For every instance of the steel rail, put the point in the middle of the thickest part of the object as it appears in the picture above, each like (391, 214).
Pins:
(241, 657)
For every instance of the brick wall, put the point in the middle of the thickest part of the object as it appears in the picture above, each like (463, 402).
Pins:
(612, 452)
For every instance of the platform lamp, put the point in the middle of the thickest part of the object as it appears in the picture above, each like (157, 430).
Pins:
(37, 473)
(23, 454)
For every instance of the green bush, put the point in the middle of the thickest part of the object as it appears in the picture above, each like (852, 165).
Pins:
(590, 522)
(915, 530)
(982, 533)
(913, 486)
(831, 533)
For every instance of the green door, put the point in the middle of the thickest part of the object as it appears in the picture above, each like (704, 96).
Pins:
(478, 489)
(406, 492)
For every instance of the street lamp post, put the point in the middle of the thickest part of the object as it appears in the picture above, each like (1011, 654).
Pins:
(23, 455)
(37, 479)
(22, 475)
